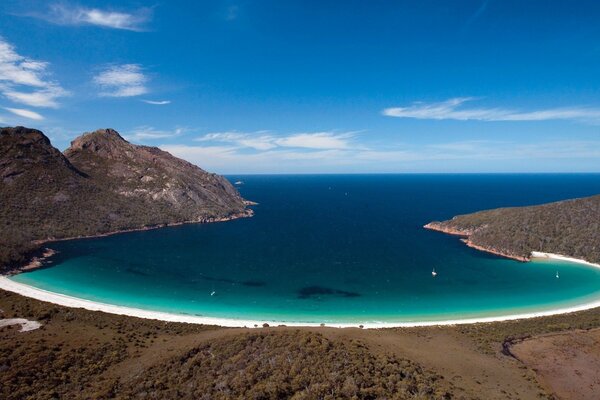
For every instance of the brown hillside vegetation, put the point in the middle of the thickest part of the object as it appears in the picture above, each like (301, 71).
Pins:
(79, 354)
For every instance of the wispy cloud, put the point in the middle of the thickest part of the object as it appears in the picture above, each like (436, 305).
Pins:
(453, 109)
(124, 80)
(24, 80)
(475, 16)
(317, 140)
(452, 156)
(157, 102)
(21, 112)
(142, 133)
(265, 140)
(261, 140)
(71, 14)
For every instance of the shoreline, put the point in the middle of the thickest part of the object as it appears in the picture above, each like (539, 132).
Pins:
(465, 238)
(244, 214)
(464, 235)
(540, 255)
(40, 257)
(75, 302)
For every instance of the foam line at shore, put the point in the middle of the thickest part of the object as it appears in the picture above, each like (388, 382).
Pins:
(74, 302)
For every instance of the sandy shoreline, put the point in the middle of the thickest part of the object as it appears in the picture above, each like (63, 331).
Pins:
(553, 256)
(69, 301)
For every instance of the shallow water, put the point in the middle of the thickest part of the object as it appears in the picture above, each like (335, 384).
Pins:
(331, 248)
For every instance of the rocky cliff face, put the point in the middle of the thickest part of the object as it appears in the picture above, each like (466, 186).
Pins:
(101, 184)
(153, 175)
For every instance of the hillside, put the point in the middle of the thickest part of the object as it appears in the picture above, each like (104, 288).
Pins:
(101, 184)
(568, 227)
(152, 175)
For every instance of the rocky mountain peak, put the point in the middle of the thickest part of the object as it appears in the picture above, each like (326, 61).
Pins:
(21, 148)
(103, 142)
(23, 136)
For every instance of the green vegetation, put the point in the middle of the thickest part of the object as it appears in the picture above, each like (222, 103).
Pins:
(298, 365)
(15, 250)
(567, 227)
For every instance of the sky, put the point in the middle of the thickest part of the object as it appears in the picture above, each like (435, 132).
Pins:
(314, 86)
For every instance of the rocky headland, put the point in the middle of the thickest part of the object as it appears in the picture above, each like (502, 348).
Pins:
(100, 185)
(568, 228)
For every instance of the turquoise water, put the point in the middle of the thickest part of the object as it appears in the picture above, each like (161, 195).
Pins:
(331, 248)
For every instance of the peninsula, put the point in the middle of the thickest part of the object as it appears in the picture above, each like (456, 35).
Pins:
(569, 228)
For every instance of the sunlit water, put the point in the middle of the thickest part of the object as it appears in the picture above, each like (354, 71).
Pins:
(331, 248)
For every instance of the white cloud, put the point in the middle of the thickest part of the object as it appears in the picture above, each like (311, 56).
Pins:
(264, 140)
(70, 14)
(25, 81)
(318, 140)
(142, 133)
(452, 109)
(124, 80)
(41, 98)
(495, 156)
(260, 140)
(157, 102)
(25, 113)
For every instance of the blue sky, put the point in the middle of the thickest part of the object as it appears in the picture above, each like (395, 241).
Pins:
(314, 86)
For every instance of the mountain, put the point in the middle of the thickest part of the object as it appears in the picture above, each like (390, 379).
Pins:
(101, 184)
(569, 227)
(151, 175)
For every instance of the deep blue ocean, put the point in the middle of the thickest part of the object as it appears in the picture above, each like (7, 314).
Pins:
(332, 248)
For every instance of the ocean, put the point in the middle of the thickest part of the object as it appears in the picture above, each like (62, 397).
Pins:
(332, 249)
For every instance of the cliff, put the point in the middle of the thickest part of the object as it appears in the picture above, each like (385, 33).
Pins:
(151, 175)
(101, 184)
(570, 227)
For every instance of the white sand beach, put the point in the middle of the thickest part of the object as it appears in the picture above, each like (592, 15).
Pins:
(69, 301)
(542, 255)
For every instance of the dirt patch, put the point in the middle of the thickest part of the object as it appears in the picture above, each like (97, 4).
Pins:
(567, 364)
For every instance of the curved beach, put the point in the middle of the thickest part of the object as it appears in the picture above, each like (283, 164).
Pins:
(70, 301)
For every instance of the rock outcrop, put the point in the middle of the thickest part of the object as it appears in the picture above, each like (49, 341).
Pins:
(153, 175)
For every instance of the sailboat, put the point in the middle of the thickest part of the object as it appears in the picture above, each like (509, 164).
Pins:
(433, 273)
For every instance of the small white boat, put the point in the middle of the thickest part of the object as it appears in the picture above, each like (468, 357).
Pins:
(239, 183)
(213, 293)
(557, 275)
(433, 273)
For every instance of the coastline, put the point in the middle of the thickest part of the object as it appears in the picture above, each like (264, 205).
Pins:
(38, 261)
(540, 255)
(436, 226)
(244, 214)
(465, 234)
(75, 302)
